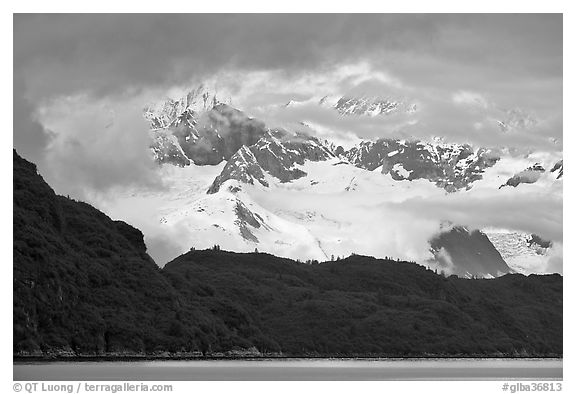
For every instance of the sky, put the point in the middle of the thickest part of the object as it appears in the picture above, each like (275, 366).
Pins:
(81, 81)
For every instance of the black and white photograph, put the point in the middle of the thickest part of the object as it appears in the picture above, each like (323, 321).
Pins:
(287, 197)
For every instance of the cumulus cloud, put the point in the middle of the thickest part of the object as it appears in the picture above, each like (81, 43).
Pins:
(96, 145)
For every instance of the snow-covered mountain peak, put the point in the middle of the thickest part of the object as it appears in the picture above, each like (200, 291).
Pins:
(200, 128)
(359, 105)
(284, 189)
(275, 155)
(372, 106)
(450, 166)
(199, 99)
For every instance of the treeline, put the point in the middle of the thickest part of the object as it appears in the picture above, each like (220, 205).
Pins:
(365, 306)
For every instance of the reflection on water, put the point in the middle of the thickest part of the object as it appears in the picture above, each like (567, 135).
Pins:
(294, 369)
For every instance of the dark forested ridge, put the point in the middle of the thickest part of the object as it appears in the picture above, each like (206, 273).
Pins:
(82, 282)
(366, 306)
(84, 285)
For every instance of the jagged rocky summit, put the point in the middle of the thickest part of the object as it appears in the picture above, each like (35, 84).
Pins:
(201, 130)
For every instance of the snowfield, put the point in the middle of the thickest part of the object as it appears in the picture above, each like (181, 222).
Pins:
(286, 192)
(335, 210)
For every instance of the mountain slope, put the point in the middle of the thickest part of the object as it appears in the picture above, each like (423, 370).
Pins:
(278, 153)
(199, 129)
(468, 253)
(449, 166)
(304, 218)
(84, 285)
(311, 199)
(362, 105)
(525, 253)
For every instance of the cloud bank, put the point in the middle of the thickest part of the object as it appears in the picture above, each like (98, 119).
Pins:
(81, 81)
(268, 59)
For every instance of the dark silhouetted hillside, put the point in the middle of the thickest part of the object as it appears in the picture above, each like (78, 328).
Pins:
(366, 306)
(83, 284)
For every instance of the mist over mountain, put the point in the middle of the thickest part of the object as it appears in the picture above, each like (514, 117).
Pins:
(283, 189)
(332, 146)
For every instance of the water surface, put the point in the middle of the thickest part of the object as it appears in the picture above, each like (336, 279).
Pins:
(293, 369)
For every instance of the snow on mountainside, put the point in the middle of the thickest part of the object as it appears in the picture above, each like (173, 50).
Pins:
(529, 175)
(199, 129)
(449, 166)
(509, 168)
(371, 106)
(305, 218)
(170, 112)
(231, 219)
(242, 185)
(302, 218)
(536, 172)
(360, 105)
(276, 153)
(524, 253)
(519, 249)
(511, 119)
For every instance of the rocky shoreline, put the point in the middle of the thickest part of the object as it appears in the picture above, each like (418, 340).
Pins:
(253, 354)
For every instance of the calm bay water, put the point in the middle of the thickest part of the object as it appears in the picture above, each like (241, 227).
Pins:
(293, 369)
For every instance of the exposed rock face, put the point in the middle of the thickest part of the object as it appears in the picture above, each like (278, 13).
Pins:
(529, 175)
(468, 254)
(371, 106)
(449, 166)
(203, 130)
(276, 154)
(164, 114)
(246, 219)
(218, 135)
(558, 169)
(362, 105)
(538, 242)
(200, 129)
(166, 148)
(243, 167)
